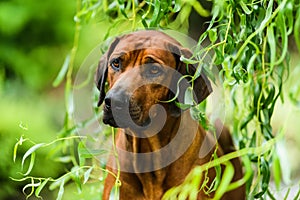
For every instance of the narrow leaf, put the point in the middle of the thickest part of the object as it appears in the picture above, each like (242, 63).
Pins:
(188, 96)
(265, 172)
(87, 175)
(297, 30)
(272, 44)
(31, 185)
(276, 170)
(245, 8)
(226, 179)
(62, 72)
(30, 151)
(200, 10)
(40, 187)
(212, 34)
(61, 190)
(64, 159)
(31, 164)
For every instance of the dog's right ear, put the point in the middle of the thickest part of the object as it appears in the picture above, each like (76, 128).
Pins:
(100, 77)
(102, 70)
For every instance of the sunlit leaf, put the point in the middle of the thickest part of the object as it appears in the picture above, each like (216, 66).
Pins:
(245, 8)
(32, 186)
(31, 164)
(61, 190)
(200, 10)
(297, 29)
(30, 151)
(225, 181)
(265, 173)
(276, 170)
(41, 187)
(87, 175)
(61, 75)
(212, 34)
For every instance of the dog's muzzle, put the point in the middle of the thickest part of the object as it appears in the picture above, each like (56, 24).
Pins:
(120, 110)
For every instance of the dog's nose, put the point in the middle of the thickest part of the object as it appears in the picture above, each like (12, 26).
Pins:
(116, 102)
(107, 102)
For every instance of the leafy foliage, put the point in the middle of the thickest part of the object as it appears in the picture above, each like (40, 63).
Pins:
(249, 42)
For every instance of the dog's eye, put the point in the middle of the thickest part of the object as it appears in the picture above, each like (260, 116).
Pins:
(154, 70)
(116, 64)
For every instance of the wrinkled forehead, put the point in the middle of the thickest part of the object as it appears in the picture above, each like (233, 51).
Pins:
(145, 40)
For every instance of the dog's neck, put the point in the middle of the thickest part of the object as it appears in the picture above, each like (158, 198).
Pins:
(145, 141)
(167, 146)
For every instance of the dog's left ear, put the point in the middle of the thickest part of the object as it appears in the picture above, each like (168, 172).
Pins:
(100, 77)
(102, 70)
(201, 85)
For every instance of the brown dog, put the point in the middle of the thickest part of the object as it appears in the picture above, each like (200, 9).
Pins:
(158, 143)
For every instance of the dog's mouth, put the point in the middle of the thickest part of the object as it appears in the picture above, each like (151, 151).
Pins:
(123, 117)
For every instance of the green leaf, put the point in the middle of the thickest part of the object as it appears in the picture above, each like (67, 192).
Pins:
(219, 57)
(41, 187)
(265, 173)
(247, 120)
(271, 95)
(297, 29)
(115, 192)
(296, 197)
(212, 34)
(257, 92)
(64, 159)
(281, 151)
(87, 175)
(156, 13)
(226, 179)
(61, 75)
(245, 8)
(31, 185)
(188, 60)
(276, 170)
(218, 170)
(61, 190)
(19, 143)
(30, 151)
(177, 6)
(189, 96)
(281, 26)
(123, 9)
(268, 16)
(199, 9)
(144, 22)
(293, 95)
(182, 106)
(31, 164)
(272, 44)
(76, 176)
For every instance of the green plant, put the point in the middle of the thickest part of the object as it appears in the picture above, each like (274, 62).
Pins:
(249, 42)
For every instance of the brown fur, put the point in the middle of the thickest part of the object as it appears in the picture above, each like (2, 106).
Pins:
(133, 51)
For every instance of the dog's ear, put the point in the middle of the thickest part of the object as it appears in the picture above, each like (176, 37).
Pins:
(101, 76)
(102, 70)
(201, 85)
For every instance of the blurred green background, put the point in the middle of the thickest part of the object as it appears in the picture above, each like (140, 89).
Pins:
(35, 37)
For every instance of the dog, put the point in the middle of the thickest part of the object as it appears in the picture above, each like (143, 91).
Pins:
(140, 78)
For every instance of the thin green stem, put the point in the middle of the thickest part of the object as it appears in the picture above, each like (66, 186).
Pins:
(227, 30)
(117, 182)
(133, 15)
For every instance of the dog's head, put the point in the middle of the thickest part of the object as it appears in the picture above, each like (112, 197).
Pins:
(139, 69)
